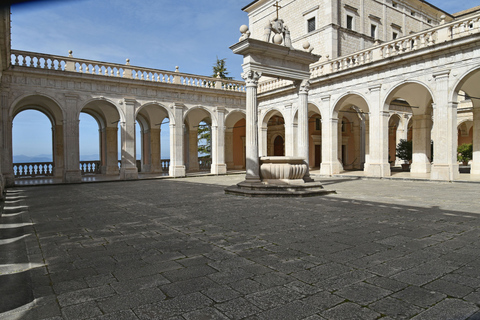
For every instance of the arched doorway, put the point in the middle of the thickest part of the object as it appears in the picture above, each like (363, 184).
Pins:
(273, 126)
(46, 107)
(107, 117)
(235, 132)
(153, 141)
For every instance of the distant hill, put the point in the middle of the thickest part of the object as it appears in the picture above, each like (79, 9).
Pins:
(38, 158)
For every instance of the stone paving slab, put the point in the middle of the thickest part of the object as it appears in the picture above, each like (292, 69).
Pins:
(181, 249)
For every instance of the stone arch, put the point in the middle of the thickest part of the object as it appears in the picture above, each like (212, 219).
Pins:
(108, 115)
(273, 123)
(52, 109)
(150, 116)
(192, 119)
(352, 146)
(467, 82)
(415, 93)
(415, 97)
(196, 108)
(235, 132)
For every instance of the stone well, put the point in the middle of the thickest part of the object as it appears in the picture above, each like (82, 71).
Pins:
(282, 170)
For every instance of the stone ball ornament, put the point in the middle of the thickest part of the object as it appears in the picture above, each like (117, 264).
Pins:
(243, 28)
(277, 39)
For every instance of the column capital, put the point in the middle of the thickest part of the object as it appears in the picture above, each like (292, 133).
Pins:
(303, 86)
(325, 98)
(129, 101)
(375, 88)
(177, 105)
(251, 78)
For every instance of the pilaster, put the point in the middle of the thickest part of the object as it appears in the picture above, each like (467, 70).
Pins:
(330, 164)
(177, 167)
(72, 172)
(155, 150)
(218, 143)
(421, 131)
(475, 164)
(128, 170)
(445, 166)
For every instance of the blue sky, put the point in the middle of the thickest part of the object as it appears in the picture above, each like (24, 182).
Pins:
(159, 34)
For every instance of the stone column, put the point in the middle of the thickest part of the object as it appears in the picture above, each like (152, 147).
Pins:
(303, 125)
(262, 141)
(155, 150)
(218, 144)
(193, 151)
(229, 149)
(128, 170)
(402, 133)
(8, 176)
(111, 150)
(330, 164)
(72, 172)
(475, 164)
(421, 137)
(177, 167)
(445, 166)
(58, 148)
(146, 161)
(377, 165)
(253, 161)
(289, 137)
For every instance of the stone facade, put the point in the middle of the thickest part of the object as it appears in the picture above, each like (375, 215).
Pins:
(343, 27)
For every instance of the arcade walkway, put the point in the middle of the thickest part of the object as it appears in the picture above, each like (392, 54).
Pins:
(181, 249)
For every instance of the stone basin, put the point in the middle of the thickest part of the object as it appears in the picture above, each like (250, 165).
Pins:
(282, 169)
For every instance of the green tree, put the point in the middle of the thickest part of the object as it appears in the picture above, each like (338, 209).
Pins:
(220, 68)
(404, 150)
(465, 152)
(204, 136)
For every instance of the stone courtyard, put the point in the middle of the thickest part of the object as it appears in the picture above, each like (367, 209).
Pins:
(182, 249)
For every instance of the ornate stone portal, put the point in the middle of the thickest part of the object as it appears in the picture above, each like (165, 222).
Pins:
(275, 176)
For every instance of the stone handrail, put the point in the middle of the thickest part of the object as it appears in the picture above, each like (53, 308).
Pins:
(444, 32)
(165, 163)
(92, 166)
(32, 169)
(71, 64)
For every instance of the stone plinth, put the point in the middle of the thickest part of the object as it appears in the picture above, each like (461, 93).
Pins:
(280, 177)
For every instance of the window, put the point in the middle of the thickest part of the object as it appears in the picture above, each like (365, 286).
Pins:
(394, 35)
(349, 22)
(412, 13)
(344, 126)
(429, 21)
(310, 24)
(394, 4)
(318, 124)
(373, 31)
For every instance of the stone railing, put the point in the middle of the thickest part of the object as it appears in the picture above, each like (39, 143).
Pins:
(33, 169)
(204, 163)
(442, 33)
(165, 163)
(126, 71)
(90, 167)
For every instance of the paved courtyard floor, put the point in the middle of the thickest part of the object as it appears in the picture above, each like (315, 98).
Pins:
(181, 249)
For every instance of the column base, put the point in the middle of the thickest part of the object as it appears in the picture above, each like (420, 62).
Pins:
(57, 172)
(72, 176)
(446, 172)
(111, 170)
(329, 168)
(9, 180)
(377, 169)
(417, 167)
(475, 168)
(129, 173)
(176, 171)
(219, 168)
(156, 169)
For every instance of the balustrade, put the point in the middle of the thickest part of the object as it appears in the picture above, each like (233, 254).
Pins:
(71, 64)
(165, 163)
(90, 167)
(204, 163)
(33, 169)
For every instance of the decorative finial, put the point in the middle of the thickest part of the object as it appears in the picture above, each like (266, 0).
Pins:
(70, 53)
(245, 32)
(218, 75)
(443, 19)
(176, 69)
(278, 7)
(128, 62)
